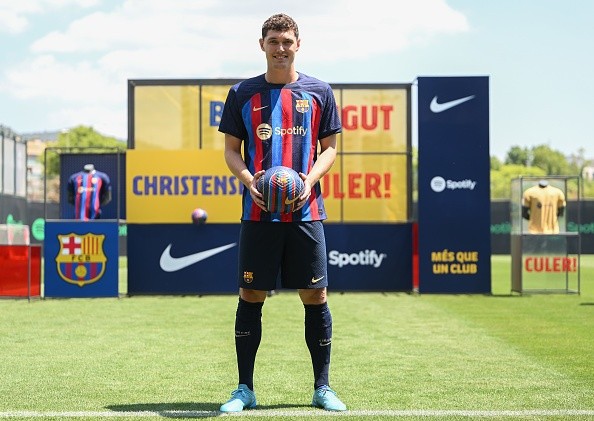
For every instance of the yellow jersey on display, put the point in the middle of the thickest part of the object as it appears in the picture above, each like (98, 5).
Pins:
(544, 204)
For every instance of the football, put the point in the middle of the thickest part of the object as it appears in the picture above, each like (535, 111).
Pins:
(281, 187)
(199, 216)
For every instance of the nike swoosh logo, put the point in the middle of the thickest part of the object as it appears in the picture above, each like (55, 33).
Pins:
(315, 281)
(436, 107)
(172, 264)
(290, 201)
(259, 108)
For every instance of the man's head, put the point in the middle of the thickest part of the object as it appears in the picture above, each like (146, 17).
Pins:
(280, 23)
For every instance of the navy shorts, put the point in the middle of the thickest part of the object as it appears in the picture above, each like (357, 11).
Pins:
(292, 252)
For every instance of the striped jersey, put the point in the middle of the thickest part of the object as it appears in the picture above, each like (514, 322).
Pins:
(88, 190)
(280, 124)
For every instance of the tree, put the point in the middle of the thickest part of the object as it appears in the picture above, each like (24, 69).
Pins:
(518, 156)
(501, 179)
(80, 139)
(552, 162)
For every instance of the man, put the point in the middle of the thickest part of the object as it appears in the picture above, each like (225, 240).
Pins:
(256, 112)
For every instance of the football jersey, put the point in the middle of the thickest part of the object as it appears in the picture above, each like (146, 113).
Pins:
(89, 189)
(280, 124)
(544, 204)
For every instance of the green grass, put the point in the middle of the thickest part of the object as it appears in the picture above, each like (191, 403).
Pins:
(391, 352)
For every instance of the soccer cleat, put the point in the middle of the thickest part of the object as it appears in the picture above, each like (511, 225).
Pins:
(326, 398)
(241, 398)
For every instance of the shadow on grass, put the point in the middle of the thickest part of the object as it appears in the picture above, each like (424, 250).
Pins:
(187, 409)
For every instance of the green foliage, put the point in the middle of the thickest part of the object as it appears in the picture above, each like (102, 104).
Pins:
(495, 163)
(501, 179)
(552, 162)
(537, 161)
(80, 139)
(518, 156)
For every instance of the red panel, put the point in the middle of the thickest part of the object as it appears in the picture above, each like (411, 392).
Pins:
(17, 264)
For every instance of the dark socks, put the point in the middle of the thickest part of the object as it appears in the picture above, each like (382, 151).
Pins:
(318, 336)
(248, 333)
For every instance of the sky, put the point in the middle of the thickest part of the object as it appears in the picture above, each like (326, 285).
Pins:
(65, 63)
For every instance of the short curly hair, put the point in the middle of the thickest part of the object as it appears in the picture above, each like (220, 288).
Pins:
(280, 22)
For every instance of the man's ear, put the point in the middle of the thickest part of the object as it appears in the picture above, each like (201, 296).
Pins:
(262, 44)
(298, 44)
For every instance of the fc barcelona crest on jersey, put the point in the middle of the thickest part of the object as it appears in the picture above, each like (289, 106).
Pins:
(302, 105)
(81, 259)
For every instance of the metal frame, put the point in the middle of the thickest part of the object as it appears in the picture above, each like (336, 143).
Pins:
(518, 237)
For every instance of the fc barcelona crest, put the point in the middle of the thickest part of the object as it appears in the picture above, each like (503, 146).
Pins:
(81, 259)
(302, 105)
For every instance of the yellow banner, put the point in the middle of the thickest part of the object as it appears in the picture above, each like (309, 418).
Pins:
(370, 188)
(166, 117)
(166, 186)
(368, 182)
(374, 120)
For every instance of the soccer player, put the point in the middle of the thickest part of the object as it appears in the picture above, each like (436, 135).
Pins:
(282, 117)
(88, 190)
(541, 206)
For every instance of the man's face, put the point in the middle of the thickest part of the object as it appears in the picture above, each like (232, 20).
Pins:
(280, 49)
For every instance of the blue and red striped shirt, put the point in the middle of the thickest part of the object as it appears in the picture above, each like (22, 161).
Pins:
(281, 124)
(89, 189)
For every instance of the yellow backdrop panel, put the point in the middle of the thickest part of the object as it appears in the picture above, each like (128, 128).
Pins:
(165, 186)
(370, 188)
(374, 120)
(166, 117)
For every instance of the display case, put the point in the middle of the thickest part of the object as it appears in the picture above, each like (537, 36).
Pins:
(545, 256)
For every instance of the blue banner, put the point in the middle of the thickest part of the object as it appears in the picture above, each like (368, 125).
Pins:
(454, 185)
(182, 258)
(369, 257)
(81, 259)
(201, 259)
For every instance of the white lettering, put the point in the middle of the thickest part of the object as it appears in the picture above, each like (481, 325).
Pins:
(297, 130)
(363, 258)
(463, 184)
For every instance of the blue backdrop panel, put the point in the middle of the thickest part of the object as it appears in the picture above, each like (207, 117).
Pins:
(369, 257)
(105, 162)
(81, 258)
(454, 185)
(201, 259)
(182, 258)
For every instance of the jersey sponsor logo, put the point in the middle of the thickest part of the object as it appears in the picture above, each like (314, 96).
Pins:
(439, 184)
(264, 131)
(362, 258)
(81, 259)
(172, 264)
(302, 105)
(437, 107)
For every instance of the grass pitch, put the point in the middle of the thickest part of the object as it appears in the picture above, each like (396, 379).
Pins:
(395, 355)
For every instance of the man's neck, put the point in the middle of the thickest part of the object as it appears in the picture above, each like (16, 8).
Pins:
(281, 78)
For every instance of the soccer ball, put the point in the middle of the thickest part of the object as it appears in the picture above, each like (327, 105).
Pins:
(281, 187)
(199, 216)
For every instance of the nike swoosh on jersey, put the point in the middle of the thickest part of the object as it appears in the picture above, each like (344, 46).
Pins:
(436, 107)
(259, 108)
(172, 264)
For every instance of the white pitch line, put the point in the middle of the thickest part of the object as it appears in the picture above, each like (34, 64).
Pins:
(301, 413)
